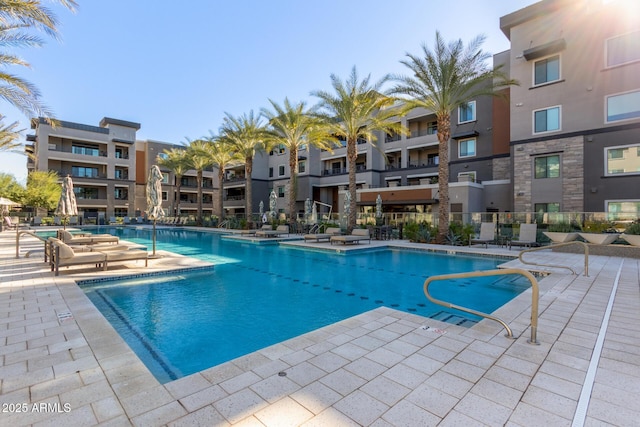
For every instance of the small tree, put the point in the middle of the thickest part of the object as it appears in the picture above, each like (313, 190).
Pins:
(43, 190)
(177, 161)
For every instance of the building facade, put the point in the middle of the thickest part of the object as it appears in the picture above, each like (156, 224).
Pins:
(575, 118)
(100, 159)
(566, 139)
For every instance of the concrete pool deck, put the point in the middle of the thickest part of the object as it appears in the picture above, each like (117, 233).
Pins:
(61, 363)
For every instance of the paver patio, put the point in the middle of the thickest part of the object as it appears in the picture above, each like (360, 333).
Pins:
(61, 363)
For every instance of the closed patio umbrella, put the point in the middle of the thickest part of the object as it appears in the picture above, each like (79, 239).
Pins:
(273, 203)
(379, 207)
(67, 204)
(154, 199)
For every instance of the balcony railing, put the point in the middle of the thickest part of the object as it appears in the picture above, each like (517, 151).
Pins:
(392, 138)
(62, 173)
(429, 163)
(82, 151)
(423, 132)
(338, 171)
(239, 197)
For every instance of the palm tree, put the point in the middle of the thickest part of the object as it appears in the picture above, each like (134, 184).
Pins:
(222, 155)
(357, 110)
(15, 17)
(200, 160)
(294, 127)
(449, 76)
(177, 161)
(247, 135)
(9, 136)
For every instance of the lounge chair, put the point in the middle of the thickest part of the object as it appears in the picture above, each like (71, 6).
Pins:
(37, 221)
(279, 231)
(64, 255)
(487, 234)
(90, 239)
(328, 233)
(9, 224)
(112, 220)
(527, 237)
(252, 232)
(356, 235)
(126, 220)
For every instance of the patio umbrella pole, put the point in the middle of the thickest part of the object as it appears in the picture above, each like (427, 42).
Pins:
(154, 237)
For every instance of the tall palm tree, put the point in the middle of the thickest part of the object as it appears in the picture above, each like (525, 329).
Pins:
(357, 110)
(247, 135)
(293, 126)
(177, 161)
(200, 160)
(17, 16)
(449, 76)
(222, 155)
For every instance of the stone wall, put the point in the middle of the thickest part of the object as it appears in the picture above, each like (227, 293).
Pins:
(571, 150)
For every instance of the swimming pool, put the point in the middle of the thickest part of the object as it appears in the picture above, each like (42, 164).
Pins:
(258, 295)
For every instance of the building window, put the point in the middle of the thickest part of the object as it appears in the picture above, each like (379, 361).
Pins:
(623, 160)
(623, 209)
(85, 193)
(281, 191)
(165, 195)
(625, 106)
(271, 172)
(547, 207)
(163, 156)
(467, 112)
(547, 120)
(471, 175)
(281, 170)
(546, 70)
(165, 178)
(83, 172)
(623, 49)
(547, 167)
(467, 148)
(302, 166)
(121, 194)
(281, 148)
(85, 150)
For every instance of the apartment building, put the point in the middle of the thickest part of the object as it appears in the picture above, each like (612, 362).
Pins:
(147, 154)
(100, 159)
(566, 139)
(575, 118)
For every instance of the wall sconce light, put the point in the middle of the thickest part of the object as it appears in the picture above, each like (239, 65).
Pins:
(520, 148)
(519, 104)
(520, 193)
(594, 189)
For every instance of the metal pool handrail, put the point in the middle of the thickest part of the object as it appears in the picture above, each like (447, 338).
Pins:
(556, 245)
(501, 272)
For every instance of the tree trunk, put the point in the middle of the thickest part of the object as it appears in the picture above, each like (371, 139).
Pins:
(199, 183)
(178, 187)
(248, 168)
(352, 155)
(221, 193)
(444, 133)
(293, 183)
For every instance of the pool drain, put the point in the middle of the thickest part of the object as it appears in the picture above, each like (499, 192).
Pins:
(282, 374)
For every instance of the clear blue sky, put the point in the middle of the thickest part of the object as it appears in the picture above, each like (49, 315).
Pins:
(176, 70)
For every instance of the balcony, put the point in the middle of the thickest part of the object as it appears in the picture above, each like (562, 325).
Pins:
(430, 162)
(339, 171)
(63, 173)
(82, 151)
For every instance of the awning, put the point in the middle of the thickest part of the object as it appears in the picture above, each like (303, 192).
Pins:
(544, 49)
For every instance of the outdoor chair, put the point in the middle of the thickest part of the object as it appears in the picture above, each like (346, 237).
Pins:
(355, 237)
(9, 224)
(527, 237)
(89, 239)
(487, 234)
(279, 231)
(328, 233)
(63, 255)
(37, 221)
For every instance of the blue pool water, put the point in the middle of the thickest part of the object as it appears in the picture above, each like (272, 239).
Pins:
(258, 295)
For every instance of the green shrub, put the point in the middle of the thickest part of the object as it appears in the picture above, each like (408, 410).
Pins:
(633, 228)
(561, 227)
(418, 232)
(597, 226)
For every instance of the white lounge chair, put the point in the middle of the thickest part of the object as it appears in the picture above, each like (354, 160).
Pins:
(328, 233)
(527, 237)
(487, 234)
(355, 237)
(89, 239)
(279, 231)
